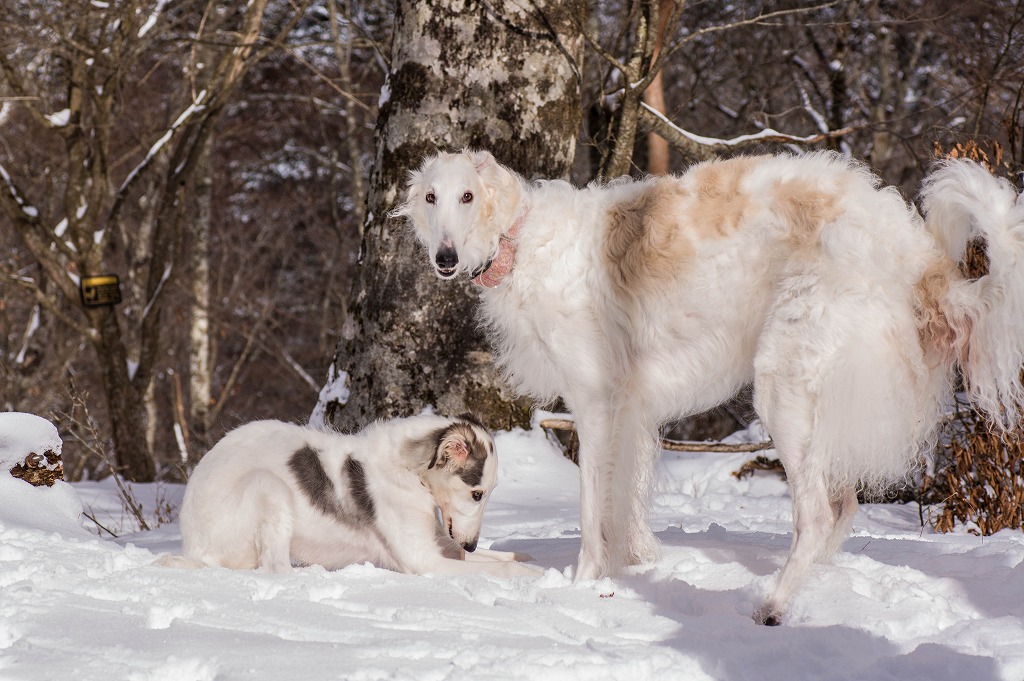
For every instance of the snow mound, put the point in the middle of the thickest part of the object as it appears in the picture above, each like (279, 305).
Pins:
(899, 602)
(24, 434)
(55, 508)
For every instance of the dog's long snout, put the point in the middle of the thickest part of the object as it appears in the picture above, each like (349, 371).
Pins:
(447, 259)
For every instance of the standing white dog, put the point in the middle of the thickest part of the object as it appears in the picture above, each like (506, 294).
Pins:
(272, 494)
(642, 301)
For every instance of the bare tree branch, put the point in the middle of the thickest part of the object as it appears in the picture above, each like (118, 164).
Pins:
(708, 147)
(759, 19)
(251, 342)
(50, 304)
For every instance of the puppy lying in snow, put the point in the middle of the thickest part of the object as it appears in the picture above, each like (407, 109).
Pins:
(271, 495)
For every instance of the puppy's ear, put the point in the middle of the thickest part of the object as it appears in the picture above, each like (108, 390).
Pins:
(452, 450)
(455, 448)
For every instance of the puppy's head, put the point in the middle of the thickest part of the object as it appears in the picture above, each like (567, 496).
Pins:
(461, 475)
(459, 205)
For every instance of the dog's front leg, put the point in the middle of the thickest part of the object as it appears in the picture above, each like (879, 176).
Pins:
(446, 567)
(482, 555)
(421, 547)
(449, 547)
(630, 540)
(594, 427)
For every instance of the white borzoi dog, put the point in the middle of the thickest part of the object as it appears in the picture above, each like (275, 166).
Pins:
(642, 301)
(271, 495)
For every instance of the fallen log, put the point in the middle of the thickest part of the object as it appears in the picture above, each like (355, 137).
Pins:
(674, 445)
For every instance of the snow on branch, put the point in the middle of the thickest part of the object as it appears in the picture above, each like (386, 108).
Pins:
(197, 105)
(30, 331)
(28, 209)
(49, 303)
(709, 146)
(151, 21)
(159, 287)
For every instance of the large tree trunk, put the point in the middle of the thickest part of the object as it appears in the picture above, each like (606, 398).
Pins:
(124, 403)
(464, 74)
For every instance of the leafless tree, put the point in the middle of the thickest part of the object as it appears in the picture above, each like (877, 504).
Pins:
(79, 71)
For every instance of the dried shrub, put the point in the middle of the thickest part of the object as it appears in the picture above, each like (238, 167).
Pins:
(979, 478)
(994, 159)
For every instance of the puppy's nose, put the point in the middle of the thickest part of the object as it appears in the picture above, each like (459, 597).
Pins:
(447, 259)
(470, 546)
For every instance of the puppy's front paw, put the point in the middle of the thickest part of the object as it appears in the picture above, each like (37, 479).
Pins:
(523, 570)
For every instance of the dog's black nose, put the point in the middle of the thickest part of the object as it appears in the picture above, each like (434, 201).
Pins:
(447, 260)
(470, 546)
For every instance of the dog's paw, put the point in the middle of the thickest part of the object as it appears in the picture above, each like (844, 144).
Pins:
(588, 570)
(523, 570)
(643, 550)
(768, 615)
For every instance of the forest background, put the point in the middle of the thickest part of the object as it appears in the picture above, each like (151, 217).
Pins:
(233, 163)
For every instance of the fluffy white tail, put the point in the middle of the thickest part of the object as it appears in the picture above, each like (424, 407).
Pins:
(961, 200)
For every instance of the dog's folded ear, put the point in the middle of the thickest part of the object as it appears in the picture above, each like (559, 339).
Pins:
(452, 449)
(480, 159)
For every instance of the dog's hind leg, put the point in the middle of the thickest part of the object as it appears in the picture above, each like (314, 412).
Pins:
(265, 501)
(631, 541)
(844, 509)
(812, 530)
(274, 543)
(787, 410)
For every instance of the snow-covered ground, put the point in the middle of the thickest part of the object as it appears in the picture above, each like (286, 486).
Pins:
(900, 603)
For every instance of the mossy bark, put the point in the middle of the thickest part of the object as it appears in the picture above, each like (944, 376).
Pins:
(490, 75)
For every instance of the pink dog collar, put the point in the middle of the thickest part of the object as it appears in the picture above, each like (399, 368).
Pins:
(504, 260)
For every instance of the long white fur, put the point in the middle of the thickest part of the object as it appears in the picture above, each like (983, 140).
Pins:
(832, 295)
(963, 199)
(245, 507)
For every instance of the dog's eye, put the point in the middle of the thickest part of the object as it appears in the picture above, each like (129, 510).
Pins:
(477, 496)
(467, 197)
(431, 198)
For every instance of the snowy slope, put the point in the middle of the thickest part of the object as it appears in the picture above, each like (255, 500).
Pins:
(900, 603)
